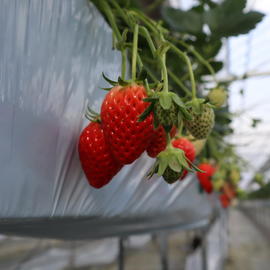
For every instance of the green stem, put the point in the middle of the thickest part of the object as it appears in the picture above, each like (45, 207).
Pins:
(154, 5)
(184, 77)
(149, 40)
(111, 18)
(150, 25)
(178, 82)
(124, 63)
(198, 56)
(121, 12)
(191, 74)
(168, 138)
(180, 129)
(164, 72)
(134, 52)
(140, 63)
(124, 54)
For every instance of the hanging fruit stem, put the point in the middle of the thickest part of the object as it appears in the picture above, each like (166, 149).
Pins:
(198, 56)
(190, 71)
(164, 71)
(121, 12)
(107, 10)
(149, 40)
(124, 54)
(179, 130)
(178, 82)
(124, 63)
(134, 52)
(150, 25)
(168, 138)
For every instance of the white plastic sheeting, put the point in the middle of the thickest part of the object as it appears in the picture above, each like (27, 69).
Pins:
(52, 55)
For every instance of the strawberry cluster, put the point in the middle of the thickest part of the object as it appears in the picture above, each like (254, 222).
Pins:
(117, 138)
(147, 114)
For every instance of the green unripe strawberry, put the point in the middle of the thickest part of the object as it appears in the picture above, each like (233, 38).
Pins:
(168, 110)
(202, 123)
(217, 96)
(166, 118)
(235, 176)
(171, 176)
(218, 184)
(259, 179)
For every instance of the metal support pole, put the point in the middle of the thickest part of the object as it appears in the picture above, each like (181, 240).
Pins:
(121, 255)
(164, 251)
(204, 251)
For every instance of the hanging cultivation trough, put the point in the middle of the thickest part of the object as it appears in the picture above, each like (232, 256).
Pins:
(150, 153)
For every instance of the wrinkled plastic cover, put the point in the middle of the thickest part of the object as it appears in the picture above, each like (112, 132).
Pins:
(52, 55)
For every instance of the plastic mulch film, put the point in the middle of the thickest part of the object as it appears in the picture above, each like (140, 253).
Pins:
(51, 58)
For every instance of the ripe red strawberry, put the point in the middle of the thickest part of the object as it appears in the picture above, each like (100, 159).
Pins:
(96, 159)
(224, 200)
(205, 177)
(189, 150)
(120, 111)
(158, 142)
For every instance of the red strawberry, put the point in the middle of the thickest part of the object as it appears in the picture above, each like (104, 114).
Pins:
(205, 177)
(159, 141)
(229, 191)
(224, 200)
(120, 111)
(96, 159)
(189, 149)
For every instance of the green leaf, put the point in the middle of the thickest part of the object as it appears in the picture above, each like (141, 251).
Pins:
(122, 82)
(210, 49)
(107, 88)
(165, 101)
(156, 122)
(182, 160)
(153, 170)
(109, 80)
(229, 19)
(183, 21)
(174, 163)
(196, 168)
(202, 70)
(185, 114)
(163, 164)
(146, 113)
(177, 100)
(150, 99)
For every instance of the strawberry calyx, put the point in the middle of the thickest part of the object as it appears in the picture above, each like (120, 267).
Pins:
(168, 108)
(174, 159)
(92, 116)
(195, 105)
(141, 79)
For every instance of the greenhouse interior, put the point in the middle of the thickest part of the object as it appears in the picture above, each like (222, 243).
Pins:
(154, 152)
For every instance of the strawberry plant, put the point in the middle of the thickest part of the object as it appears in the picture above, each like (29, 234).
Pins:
(173, 85)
